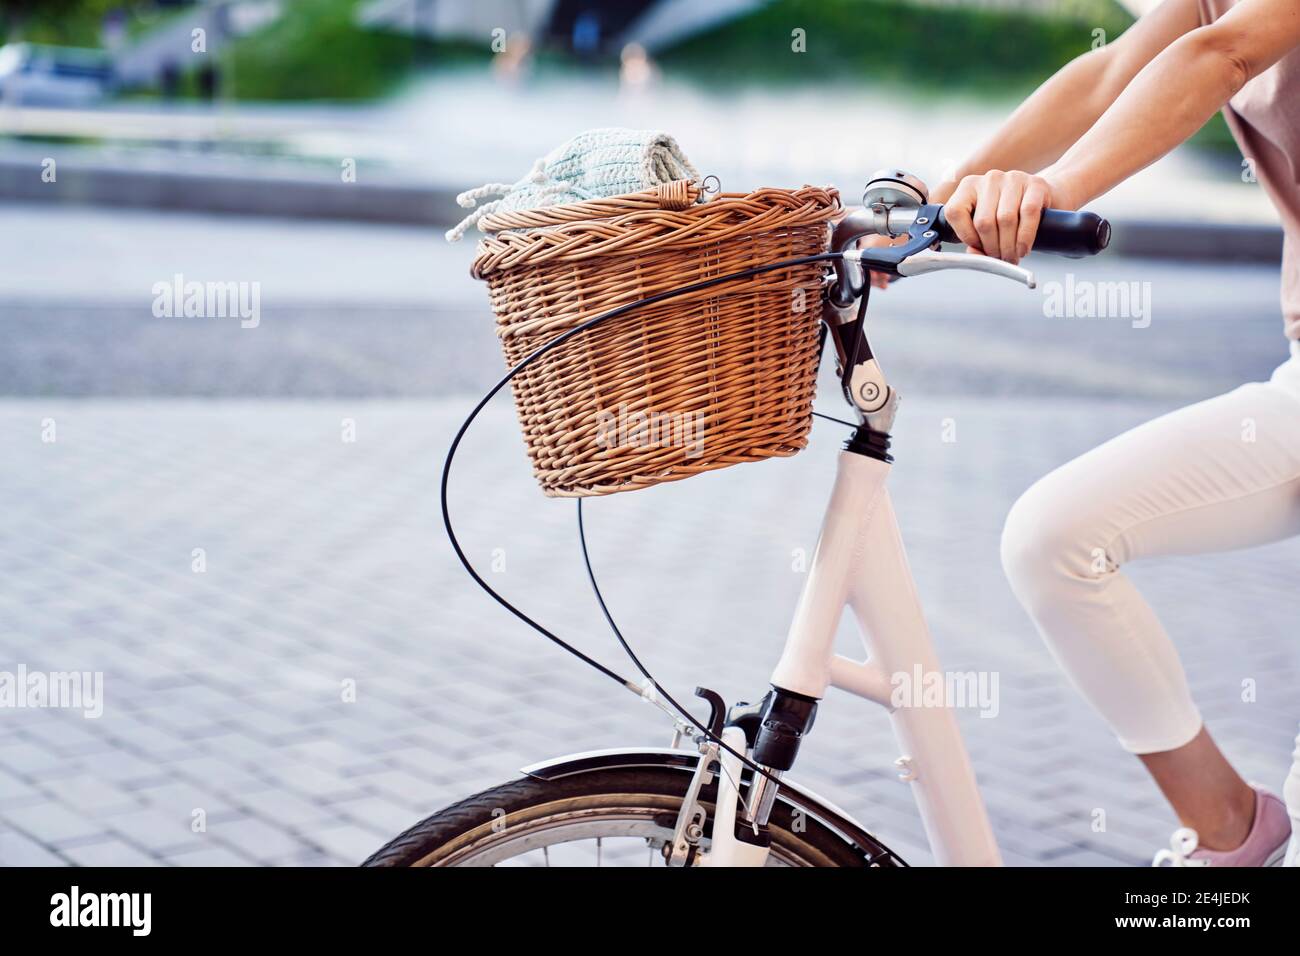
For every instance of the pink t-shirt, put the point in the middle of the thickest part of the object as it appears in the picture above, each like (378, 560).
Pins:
(1265, 121)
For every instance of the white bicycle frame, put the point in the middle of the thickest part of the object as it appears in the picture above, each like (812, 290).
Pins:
(860, 563)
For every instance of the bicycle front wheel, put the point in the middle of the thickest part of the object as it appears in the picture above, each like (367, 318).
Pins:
(622, 817)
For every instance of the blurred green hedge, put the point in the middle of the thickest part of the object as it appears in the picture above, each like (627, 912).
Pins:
(316, 50)
(931, 48)
(921, 45)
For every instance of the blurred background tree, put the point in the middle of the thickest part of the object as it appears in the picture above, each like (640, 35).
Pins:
(66, 22)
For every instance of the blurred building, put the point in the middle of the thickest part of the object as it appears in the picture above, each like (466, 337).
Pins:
(158, 54)
(476, 21)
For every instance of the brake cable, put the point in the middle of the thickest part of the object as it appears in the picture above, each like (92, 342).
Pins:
(544, 349)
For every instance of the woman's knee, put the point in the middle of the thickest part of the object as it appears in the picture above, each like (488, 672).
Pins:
(1050, 543)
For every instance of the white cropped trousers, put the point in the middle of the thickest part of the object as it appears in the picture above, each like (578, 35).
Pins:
(1215, 476)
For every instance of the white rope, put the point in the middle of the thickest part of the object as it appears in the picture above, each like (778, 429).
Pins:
(457, 232)
(470, 197)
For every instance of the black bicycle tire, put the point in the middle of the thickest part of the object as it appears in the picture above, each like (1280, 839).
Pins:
(421, 844)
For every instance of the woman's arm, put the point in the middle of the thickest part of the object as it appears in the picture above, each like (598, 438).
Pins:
(1173, 96)
(1169, 100)
(1053, 118)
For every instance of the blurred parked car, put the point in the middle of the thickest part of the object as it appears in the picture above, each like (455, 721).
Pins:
(37, 75)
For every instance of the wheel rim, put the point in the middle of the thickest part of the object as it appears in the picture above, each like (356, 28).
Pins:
(569, 833)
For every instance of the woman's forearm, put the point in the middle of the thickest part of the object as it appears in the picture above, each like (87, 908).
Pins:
(1183, 74)
(1166, 103)
(1068, 104)
(1050, 121)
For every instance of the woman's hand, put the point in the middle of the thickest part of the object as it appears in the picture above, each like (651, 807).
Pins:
(997, 214)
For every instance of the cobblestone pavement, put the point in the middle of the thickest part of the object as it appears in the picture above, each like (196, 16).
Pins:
(324, 561)
(324, 567)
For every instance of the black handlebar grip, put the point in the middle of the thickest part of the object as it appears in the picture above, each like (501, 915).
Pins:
(1070, 234)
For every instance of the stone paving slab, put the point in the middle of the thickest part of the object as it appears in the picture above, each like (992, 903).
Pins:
(326, 674)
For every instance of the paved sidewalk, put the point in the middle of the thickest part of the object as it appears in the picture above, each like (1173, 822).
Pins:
(325, 568)
(387, 311)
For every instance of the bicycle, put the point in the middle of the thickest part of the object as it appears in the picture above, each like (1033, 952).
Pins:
(727, 801)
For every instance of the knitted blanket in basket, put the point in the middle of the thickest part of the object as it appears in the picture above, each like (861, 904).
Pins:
(596, 164)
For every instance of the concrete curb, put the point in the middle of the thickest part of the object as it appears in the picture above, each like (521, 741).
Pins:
(309, 193)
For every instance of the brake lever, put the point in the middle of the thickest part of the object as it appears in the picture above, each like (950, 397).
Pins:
(922, 262)
(917, 256)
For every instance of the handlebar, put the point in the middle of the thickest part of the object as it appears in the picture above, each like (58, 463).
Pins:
(1070, 234)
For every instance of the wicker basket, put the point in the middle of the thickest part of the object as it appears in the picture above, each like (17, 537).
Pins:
(707, 380)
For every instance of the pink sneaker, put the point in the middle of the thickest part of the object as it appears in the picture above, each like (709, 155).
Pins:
(1265, 845)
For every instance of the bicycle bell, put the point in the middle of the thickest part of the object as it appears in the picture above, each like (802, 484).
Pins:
(892, 189)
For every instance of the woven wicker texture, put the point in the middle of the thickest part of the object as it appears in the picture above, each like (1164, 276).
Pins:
(710, 379)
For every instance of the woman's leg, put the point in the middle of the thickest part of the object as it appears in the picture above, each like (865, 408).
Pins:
(1205, 791)
(1215, 476)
